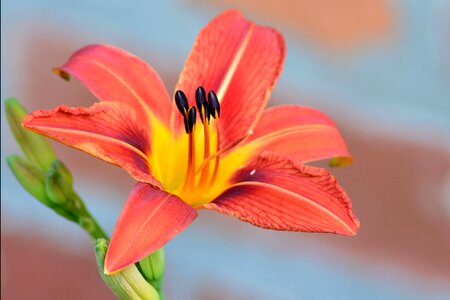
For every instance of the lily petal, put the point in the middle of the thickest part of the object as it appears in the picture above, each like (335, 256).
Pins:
(276, 193)
(106, 130)
(113, 74)
(241, 62)
(149, 219)
(303, 133)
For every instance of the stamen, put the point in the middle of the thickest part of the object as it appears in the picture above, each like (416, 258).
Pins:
(191, 119)
(183, 106)
(189, 181)
(191, 162)
(216, 165)
(223, 151)
(206, 109)
(181, 102)
(186, 127)
(214, 110)
(202, 105)
(205, 172)
(214, 105)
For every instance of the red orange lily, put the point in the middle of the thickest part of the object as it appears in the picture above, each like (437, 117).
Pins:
(218, 150)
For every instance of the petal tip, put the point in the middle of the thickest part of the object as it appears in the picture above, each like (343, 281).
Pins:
(107, 272)
(352, 228)
(111, 271)
(357, 226)
(231, 11)
(112, 267)
(61, 73)
(340, 161)
(27, 120)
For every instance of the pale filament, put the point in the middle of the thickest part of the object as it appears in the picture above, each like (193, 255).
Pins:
(206, 151)
(189, 181)
(220, 152)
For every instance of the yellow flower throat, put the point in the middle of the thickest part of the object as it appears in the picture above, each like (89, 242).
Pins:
(192, 165)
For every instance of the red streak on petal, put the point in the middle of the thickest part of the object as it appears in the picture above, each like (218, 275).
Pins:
(303, 133)
(275, 193)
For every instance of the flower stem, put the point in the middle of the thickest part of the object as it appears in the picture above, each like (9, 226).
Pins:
(91, 226)
(85, 218)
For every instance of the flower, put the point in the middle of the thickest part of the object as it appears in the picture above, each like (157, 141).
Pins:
(230, 156)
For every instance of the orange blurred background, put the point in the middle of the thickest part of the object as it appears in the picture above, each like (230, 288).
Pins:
(380, 69)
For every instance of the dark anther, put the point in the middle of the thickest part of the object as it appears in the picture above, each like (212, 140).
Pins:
(181, 102)
(202, 105)
(192, 115)
(214, 106)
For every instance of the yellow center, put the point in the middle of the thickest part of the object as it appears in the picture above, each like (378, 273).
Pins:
(203, 180)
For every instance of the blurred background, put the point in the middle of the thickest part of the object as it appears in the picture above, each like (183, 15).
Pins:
(380, 69)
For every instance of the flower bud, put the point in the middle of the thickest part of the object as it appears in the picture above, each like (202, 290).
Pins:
(58, 183)
(128, 283)
(35, 147)
(152, 268)
(33, 181)
(29, 176)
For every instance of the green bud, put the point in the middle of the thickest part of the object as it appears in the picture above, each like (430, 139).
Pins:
(35, 147)
(54, 190)
(29, 176)
(152, 268)
(58, 183)
(33, 181)
(127, 283)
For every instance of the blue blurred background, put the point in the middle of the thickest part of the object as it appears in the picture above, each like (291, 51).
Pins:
(380, 69)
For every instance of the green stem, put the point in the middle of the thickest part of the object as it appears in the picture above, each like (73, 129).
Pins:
(89, 224)
(85, 218)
